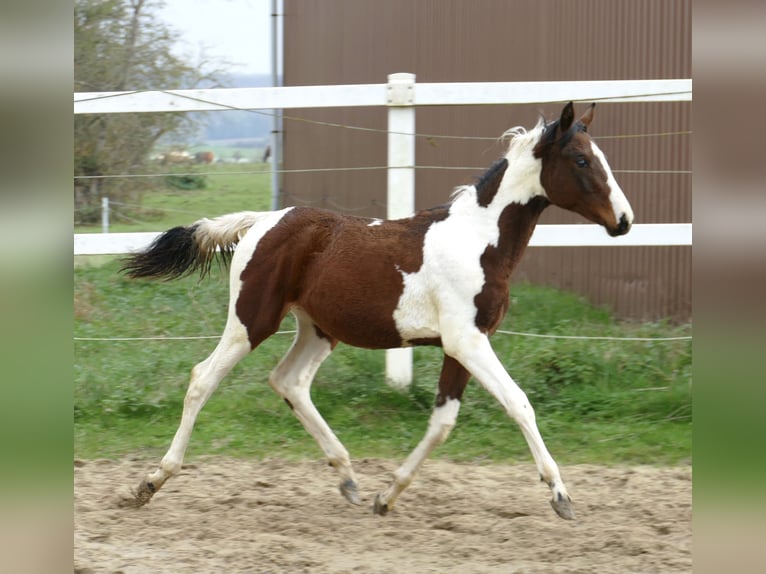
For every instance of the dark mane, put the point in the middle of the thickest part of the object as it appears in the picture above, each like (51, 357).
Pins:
(488, 184)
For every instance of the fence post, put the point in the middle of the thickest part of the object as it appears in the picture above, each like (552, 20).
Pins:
(401, 190)
(104, 215)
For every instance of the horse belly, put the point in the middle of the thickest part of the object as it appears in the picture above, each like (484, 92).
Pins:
(355, 308)
(365, 325)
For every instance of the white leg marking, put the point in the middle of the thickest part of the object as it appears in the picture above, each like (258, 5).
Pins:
(292, 379)
(475, 353)
(205, 378)
(439, 427)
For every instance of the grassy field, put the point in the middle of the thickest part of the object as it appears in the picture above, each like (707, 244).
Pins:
(227, 188)
(596, 401)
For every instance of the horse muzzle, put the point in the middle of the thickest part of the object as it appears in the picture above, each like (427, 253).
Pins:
(623, 226)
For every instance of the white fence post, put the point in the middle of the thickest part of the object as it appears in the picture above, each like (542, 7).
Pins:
(400, 99)
(104, 215)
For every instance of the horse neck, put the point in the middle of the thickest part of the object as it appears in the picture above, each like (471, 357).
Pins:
(506, 204)
(516, 223)
(504, 225)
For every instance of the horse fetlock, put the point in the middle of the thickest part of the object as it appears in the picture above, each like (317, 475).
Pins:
(402, 479)
(168, 468)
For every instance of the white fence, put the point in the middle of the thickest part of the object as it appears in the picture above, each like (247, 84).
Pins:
(400, 95)
(355, 95)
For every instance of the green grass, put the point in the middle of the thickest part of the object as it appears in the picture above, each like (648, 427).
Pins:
(227, 189)
(596, 401)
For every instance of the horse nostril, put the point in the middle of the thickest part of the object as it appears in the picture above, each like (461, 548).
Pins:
(624, 225)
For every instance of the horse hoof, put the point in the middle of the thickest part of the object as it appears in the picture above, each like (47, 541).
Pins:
(563, 507)
(138, 497)
(379, 507)
(350, 492)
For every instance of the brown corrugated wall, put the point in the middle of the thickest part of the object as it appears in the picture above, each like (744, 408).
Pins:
(362, 41)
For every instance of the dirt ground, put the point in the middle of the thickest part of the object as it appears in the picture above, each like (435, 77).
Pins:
(225, 515)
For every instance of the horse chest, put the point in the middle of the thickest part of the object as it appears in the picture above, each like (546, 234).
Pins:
(441, 294)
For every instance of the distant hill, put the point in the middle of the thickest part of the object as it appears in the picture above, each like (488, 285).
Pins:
(248, 126)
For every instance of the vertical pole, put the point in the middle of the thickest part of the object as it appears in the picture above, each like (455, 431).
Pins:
(401, 190)
(104, 215)
(276, 129)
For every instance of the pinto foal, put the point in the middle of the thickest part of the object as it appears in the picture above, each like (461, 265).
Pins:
(439, 278)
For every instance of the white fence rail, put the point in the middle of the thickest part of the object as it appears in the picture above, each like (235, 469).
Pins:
(401, 94)
(578, 235)
(355, 95)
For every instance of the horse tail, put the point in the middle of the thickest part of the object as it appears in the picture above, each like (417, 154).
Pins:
(183, 250)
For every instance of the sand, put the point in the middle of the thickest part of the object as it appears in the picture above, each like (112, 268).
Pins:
(227, 515)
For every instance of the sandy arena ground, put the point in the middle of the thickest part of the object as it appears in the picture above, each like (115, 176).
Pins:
(225, 515)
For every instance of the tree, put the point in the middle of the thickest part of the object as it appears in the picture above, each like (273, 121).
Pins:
(119, 46)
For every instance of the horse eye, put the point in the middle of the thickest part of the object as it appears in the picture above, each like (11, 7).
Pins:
(582, 162)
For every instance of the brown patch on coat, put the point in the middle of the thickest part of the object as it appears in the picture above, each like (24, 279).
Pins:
(516, 223)
(346, 274)
(452, 380)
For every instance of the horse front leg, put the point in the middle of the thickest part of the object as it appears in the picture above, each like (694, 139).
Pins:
(452, 382)
(475, 353)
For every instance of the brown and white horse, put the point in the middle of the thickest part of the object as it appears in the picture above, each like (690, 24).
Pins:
(439, 277)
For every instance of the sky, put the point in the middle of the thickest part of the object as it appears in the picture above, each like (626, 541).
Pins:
(237, 31)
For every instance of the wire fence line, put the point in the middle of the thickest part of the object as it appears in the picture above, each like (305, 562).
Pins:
(329, 201)
(501, 332)
(354, 168)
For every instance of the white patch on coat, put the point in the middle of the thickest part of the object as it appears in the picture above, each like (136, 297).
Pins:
(441, 423)
(438, 299)
(375, 222)
(620, 203)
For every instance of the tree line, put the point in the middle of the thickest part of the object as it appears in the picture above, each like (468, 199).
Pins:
(120, 45)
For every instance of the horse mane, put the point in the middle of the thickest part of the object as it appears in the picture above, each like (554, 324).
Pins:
(520, 141)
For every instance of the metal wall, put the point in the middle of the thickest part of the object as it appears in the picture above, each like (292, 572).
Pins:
(362, 41)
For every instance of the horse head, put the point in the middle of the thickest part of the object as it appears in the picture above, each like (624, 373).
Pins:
(576, 176)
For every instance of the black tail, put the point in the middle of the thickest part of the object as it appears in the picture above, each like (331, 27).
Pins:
(174, 254)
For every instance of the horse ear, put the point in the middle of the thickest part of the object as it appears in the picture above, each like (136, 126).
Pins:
(567, 117)
(587, 117)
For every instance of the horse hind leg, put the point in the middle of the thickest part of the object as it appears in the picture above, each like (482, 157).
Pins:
(292, 379)
(205, 378)
(452, 382)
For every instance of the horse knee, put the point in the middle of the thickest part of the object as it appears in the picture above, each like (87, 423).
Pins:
(197, 389)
